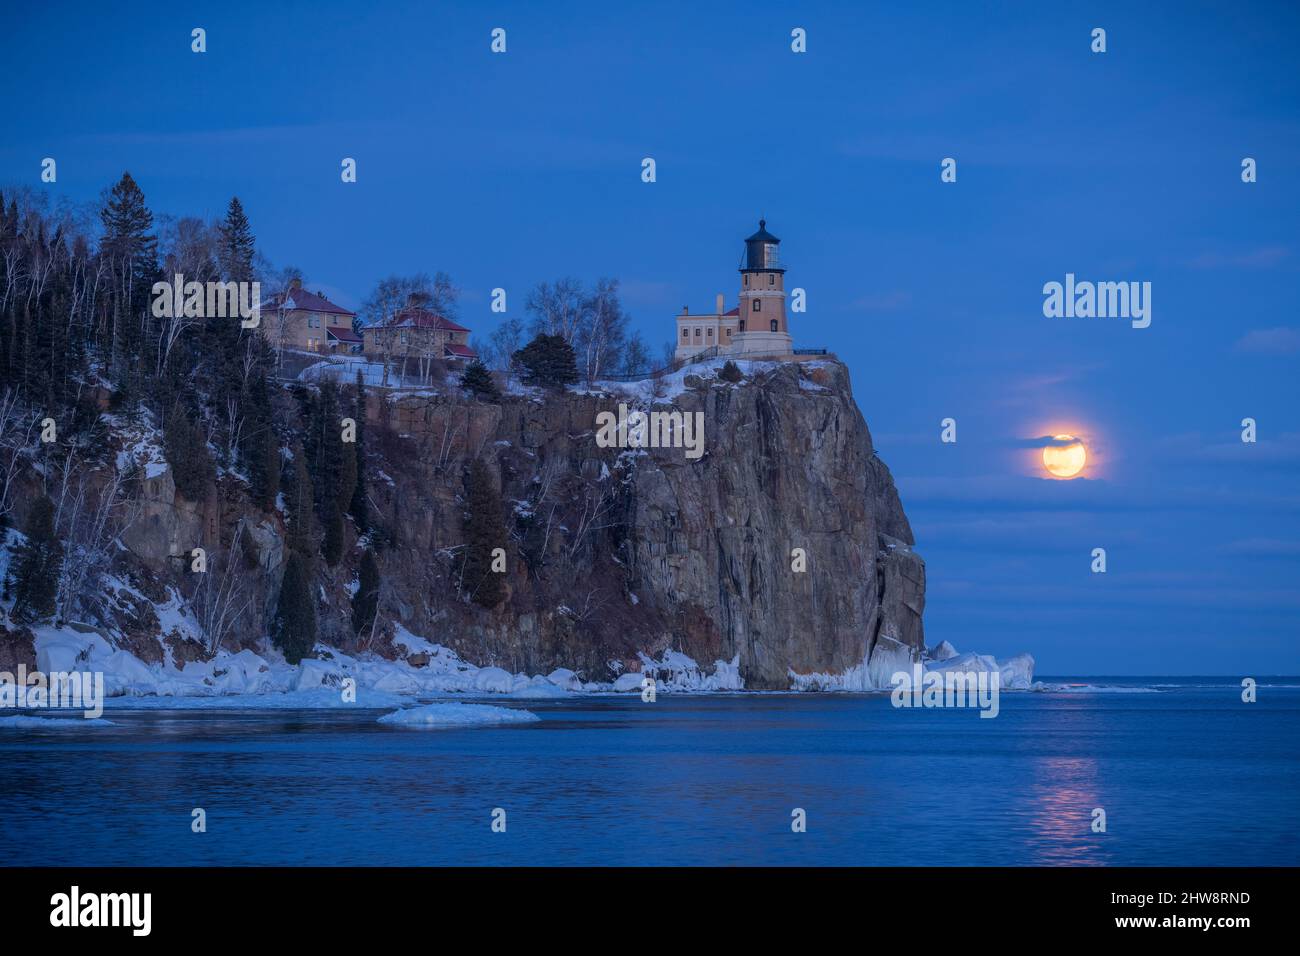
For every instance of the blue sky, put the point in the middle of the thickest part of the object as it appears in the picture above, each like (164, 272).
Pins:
(504, 170)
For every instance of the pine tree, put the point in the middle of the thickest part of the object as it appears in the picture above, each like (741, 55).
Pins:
(295, 616)
(38, 563)
(223, 338)
(334, 479)
(547, 360)
(237, 244)
(731, 372)
(485, 531)
(131, 251)
(358, 505)
(332, 544)
(301, 536)
(477, 379)
(365, 603)
(261, 445)
(187, 454)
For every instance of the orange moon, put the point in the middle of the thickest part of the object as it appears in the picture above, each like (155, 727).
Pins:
(1065, 461)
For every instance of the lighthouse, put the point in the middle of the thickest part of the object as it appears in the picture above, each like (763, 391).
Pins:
(756, 328)
(762, 329)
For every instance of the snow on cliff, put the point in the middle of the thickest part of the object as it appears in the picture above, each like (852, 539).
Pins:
(335, 679)
(889, 657)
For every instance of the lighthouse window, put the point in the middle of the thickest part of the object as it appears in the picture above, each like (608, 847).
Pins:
(746, 282)
(758, 305)
(771, 279)
(774, 325)
(769, 255)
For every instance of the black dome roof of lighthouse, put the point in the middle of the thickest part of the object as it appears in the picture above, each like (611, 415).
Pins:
(762, 235)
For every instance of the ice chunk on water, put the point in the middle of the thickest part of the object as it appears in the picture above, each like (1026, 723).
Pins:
(457, 715)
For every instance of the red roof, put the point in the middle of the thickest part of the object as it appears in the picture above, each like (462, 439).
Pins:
(306, 301)
(416, 318)
(735, 311)
(344, 335)
(464, 351)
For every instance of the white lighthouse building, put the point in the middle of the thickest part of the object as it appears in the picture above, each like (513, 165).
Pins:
(757, 327)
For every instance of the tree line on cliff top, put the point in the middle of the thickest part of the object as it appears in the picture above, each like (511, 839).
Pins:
(81, 349)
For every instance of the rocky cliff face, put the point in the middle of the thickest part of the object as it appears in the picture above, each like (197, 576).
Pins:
(784, 544)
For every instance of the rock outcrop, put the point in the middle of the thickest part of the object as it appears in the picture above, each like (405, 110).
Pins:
(784, 545)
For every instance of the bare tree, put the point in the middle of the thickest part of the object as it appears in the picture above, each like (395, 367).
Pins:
(15, 447)
(222, 596)
(557, 309)
(89, 520)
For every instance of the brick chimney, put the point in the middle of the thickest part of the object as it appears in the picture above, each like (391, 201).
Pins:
(722, 303)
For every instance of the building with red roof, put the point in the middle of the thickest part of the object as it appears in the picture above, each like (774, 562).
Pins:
(308, 322)
(419, 333)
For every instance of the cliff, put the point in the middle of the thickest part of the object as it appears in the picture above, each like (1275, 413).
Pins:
(611, 552)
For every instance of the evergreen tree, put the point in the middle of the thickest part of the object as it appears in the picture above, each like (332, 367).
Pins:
(301, 536)
(248, 549)
(130, 250)
(332, 544)
(333, 466)
(38, 563)
(187, 454)
(547, 360)
(365, 603)
(225, 342)
(731, 372)
(359, 505)
(261, 444)
(477, 379)
(485, 531)
(237, 244)
(295, 616)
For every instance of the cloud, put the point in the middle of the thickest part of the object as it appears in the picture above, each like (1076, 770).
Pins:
(1276, 341)
(1262, 258)
(1012, 494)
(884, 302)
(1264, 547)
(1043, 441)
(1280, 449)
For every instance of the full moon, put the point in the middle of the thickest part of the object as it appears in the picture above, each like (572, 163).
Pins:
(1065, 461)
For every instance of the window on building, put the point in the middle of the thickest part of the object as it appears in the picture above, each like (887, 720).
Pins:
(771, 278)
(697, 333)
(774, 325)
(742, 325)
(758, 305)
(406, 337)
(710, 334)
(728, 333)
(313, 321)
(746, 281)
(686, 334)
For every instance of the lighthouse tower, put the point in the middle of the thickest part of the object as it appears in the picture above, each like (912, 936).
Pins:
(762, 329)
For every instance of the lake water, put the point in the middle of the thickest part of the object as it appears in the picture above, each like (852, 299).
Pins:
(1187, 775)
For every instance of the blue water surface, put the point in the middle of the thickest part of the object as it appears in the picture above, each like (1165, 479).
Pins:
(1186, 774)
